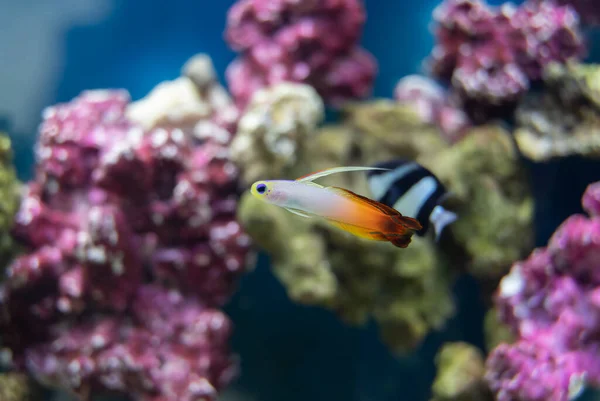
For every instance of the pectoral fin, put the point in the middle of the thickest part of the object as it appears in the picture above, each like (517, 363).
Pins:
(297, 212)
(334, 170)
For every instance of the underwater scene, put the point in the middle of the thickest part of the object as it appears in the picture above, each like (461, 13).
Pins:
(291, 200)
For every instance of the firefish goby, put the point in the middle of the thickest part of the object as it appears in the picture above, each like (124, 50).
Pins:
(344, 209)
(414, 191)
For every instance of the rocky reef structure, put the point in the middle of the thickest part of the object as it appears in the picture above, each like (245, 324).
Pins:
(132, 245)
(408, 292)
(491, 55)
(311, 42)
(565, 119)
(460, 371)
(551, 301)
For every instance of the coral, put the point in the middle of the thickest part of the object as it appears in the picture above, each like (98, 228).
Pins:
(496, 332)
(168, 348)
(550, 300)
(9, 200)
(311, 42)
(18, 387)
(460, 370)
(586, 9)
(407, 292)
(276, 124)
(490, 55)
(195, 103)
(434, 105)
(114, 207)
(565, 119)
(493, 199)
(488, 184)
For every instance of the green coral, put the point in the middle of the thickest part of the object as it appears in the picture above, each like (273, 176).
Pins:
(565, 119)
(406, 291)
(18, 387)
(496, 332)
(460, 371)
(9, 199)
(492, 199)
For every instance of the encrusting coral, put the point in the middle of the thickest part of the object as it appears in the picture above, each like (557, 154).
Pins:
(132, 247)
(491, 55)
(551, 301)
(311, 42)
(408, 292)
(565, 119)
(460, 371)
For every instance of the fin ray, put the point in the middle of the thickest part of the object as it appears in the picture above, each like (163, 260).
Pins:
(297, 212)
(398, 218)
(358, 231)
(335, 170)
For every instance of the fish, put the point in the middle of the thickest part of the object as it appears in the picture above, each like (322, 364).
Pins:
(340, 207)
(412, 190)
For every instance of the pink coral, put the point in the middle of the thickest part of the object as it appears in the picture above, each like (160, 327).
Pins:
(168, 348)
(490, 55)
(552, 301)
(587, 9)
(311, 42)
(111, 208)
(434, 105)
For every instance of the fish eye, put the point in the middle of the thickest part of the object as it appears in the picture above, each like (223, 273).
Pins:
(261, 188)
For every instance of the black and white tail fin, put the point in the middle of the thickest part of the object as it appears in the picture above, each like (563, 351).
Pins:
(440, 218)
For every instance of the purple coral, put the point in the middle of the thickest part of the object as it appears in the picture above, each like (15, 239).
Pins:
(311, 42)
(552, 301)
(168, 348)
(587, 9)
(490, 55)
(113, 207)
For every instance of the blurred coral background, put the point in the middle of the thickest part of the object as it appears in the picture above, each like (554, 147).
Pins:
(51, 50)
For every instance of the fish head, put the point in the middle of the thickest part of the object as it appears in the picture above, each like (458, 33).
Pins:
(270, 191)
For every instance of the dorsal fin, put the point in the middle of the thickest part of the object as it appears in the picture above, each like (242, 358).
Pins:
(334, 170)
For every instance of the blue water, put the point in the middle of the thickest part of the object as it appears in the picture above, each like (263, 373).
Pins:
(288, 351)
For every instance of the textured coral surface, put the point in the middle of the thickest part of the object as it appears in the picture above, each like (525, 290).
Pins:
(312, 42)
(551, 301)
(490, 55)
(460, 370)
(565, 119)
(132, 247)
